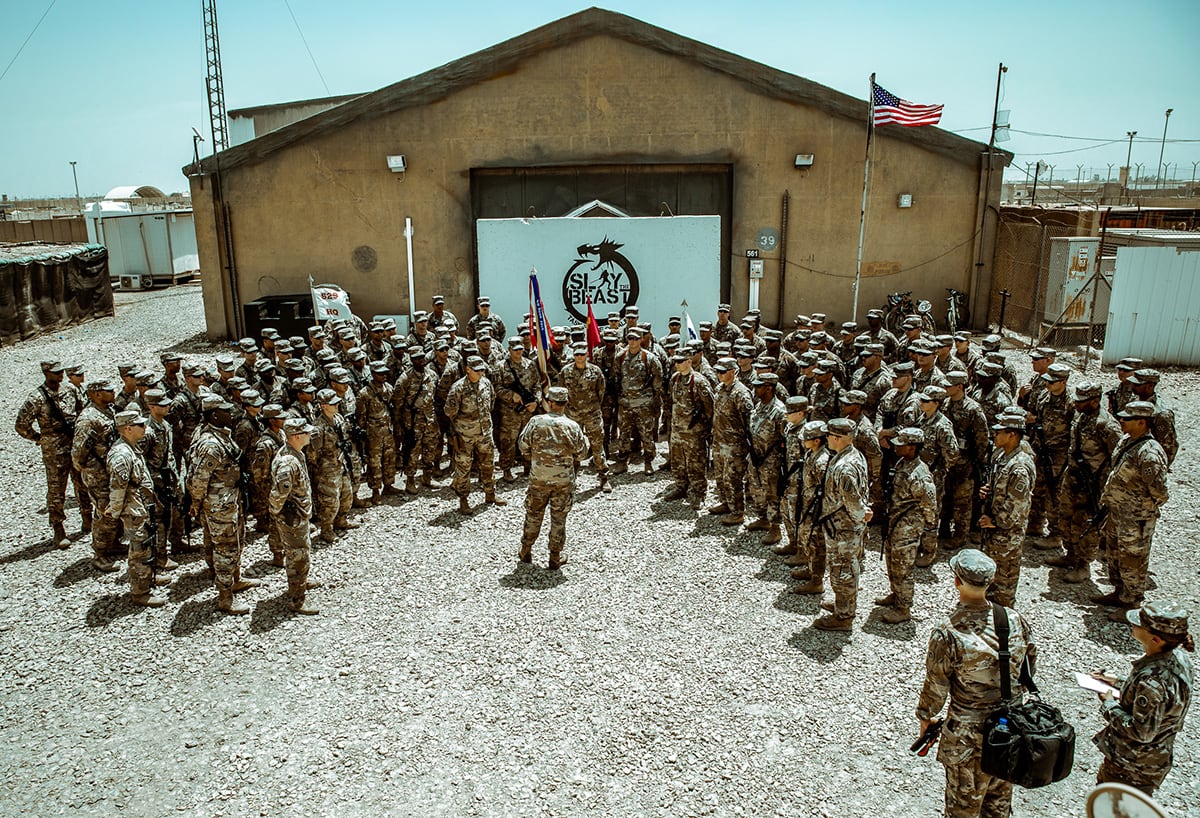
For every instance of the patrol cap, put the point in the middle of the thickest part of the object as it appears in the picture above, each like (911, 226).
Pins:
(226, 363)
(515, 342)
(476, 363)
(609, 336)
(1135, 410)
(75, 369)
(1056, 372)
(849, 327)
(283, 347)
(912, 322)
(803, 334)
(932, 393)
(421, 316)
(633, 332)
(945, 340)
(840, 426)
(1130, 364)
(973, 567)
(922, 347)
(724, 349)
(388, 323)
(1086, 390)
(294, 365)
(212, 401)
(853, 397)
(193, 370)
(764, 362)
(1043, 352)
(1144, 376)
(875, 313)
(579, 349)
(303, 385)
(956, 377)
(356, 354)
(725, 365)
(813, 430)
(819, 338)
(990, 369)
(170, 356)
(680, 358)
(817, 318)
(297, 342)
(297, 426)
(100, 385)
(772, 335)
(380, 366)
(272, 410)
(676, 320)
(991, 343)
(765, 379)
(147, 377)
(1162, 618)
(743, 351)
(443, 344)
(962, 336)
(996, 357)
(796, 403)
(747, 323)
(722, 308)
(52, 366)
(483, 301)
(705, 326)
(439, 299)
(270, 333)
(157, 397)
(1009, 422)
(247, 345)
(129, 417)
(340, 375)
(808, 359)
(557, 394)
(263, 364)
(904, 369)
(483, 336)
(328, 396)
(695, 345)
(908, 436)
(870, 349)
(631, 310)
(250, 397)
(670, 341)
(123, 370)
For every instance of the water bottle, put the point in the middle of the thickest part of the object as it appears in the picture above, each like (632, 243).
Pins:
(1001, 735)
(1002, 726)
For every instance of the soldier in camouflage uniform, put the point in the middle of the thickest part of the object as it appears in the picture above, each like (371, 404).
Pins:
(374, 415)
(823, 396)
(48, 418)
(485, 318)
(795, 409)
(553, 444)
(962, 479)
(469, 409)
(158, 446)
(810, 536)
(962, 663)
(131, 500)
(691, 423)
(262, 453)
(1162, 425)
(639, 378)
(724, 330)
(329, 453)
(415, 419)
(1049, 412)
(94, 434)
(185, 414)
(940, 453)
(290, 502)
(1006, 498)
(899, 406)
(845, 512)
(768, 421)
(1138, 739)
(1122, 393)
(1094, 435)
(990, 391)
(214, 483)
(872, 378)
(1041, 359)
(732, 406)
(877, 334)
(518, 390)
(1134, 491)
(128, 375)
(866, 441)
(911, 510)
(585, 385)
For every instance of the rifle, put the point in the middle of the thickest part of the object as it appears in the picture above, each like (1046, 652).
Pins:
(927, 739)
(980, 469)
(67, 426)
(885, 519)
(1044, 461)
(526, 396)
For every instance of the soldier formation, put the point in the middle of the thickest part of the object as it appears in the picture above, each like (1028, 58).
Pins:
(816, 439)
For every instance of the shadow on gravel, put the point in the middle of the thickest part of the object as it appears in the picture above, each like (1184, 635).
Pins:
(824, 646)
(451, 518)
(194, 615)
(187, 586)
(532, 578)
(805, 604)
(108, 609)
(747, 544)
(77, 571)
(30, 552)
(773, 570)
(903, 632)
(269, 613)
(1099, 629)
(261, 569)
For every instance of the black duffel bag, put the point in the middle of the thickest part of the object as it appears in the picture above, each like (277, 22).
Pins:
(1028, 744)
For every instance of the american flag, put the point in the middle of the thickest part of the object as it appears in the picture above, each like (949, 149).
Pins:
(889, 108)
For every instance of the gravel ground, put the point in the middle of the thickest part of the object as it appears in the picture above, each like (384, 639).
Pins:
(664, 671)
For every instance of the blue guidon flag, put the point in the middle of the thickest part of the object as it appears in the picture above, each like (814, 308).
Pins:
(887, 108)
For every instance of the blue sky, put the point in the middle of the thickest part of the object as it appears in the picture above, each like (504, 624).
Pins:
(118, 86)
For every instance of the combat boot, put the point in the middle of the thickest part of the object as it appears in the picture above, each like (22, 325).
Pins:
(167, 564)
(60, 536)
(834, 623)
(525, 470)
(376, 497)
(277, 561)
(894, 616)
(796, 559)
(760, 524)
(299, 606)
(240, 585)
(1062, 561)
(1081, 574)
(148, 600)
(226, 603)
(326, 535)
(788, 550)
(525, 555)
(803, 574)
(813, 586)
(677, 493)
(925, 560)
(1109, 600)
(886, 601)
(86, 517)
(491, 499)
(719, 508)
(345, 523)
(426, 479)
(605, 486)
(362, 502)
(507, 477)
(410, 485)
(733, 518)
(464, 505)
(648, 469)
(620, 467)
(556, 561)
(102, 564)
(773, 536)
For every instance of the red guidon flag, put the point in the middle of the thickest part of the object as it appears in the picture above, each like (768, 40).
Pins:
(593, 329)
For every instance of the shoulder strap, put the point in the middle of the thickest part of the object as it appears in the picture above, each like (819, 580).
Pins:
(1000, 616)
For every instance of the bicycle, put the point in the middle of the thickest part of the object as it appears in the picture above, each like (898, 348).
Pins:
(900, 306)
(958, 314)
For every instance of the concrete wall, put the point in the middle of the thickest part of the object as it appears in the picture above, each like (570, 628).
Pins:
(314, 207)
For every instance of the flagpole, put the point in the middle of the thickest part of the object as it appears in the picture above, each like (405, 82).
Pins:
(862, 214)
(312, 293)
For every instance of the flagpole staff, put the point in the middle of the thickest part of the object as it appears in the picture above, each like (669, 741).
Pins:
(312, 293)
(412, 298)
(862, 216)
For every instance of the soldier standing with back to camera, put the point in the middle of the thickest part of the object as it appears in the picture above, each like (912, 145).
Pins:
(329, 452)
(291, 507)
(962, 663)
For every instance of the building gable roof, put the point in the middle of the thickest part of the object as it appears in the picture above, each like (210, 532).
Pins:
(439, 83)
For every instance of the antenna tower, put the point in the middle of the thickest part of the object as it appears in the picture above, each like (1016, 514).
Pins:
(212, 79)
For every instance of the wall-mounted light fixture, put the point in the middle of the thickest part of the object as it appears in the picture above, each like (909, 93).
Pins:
(905, 200)
(804, 160)
(396, 164)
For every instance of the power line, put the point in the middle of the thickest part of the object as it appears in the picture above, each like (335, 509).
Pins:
(36, 26)
(306, 48)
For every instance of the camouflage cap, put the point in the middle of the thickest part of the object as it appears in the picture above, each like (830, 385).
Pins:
(1130, 364)
(1056, 373)
(956, 377)
(1086, 390)
(557, 394)
(932, 393)
(945, 340)
(814, 430)
(632, 309)
(157, 397)
(725, 365)
(765, 379)
(743, 351)
(973, 567)
(303, 385)
(356, 354)
(705, 326)
(991, 343)
(922, 347)
(772, 335)
(283, 347)
(796, 403)
(875, 313)
(908, 436)
(52, 366)
(1009, 422)
(819, 338)
(294, 365)
(380, 368)
(247, 345)
(764, 362)
(912, 322)
(251, 397)
(476, 363)
(1142, 376)
(961, 336)
(579, 349)
(853, 397)
(328, 396)
(129, 417)
(147, 377)
(817, 318)
(869, 349)
(695, 345)
(421, 317)
(326, 354)
(193, 370)
(270, 333)
(1163, 618)
(1043, 352)
(722, 308)
(904, 369)
(212, 401)
(75, 369)
(1137, 410)
(226, 363)
(990, 369)
(808, 359)
(340, 375)
(680, 358)
(297, 426)
(849, 327)
(100, 385)
(483, 301)
(272, 410)
(840, 426)
(123, 370)
(670, 341)
(170, 356)
(996, 357)
(675, 320)
(418, 356)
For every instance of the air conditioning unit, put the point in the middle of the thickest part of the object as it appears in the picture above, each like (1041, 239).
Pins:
(136, 281)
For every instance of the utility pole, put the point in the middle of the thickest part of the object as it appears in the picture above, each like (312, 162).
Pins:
(212, 80)
(1162, 146)
(975, 295)
(78, 201)
(1037, 171)
(1128, 167)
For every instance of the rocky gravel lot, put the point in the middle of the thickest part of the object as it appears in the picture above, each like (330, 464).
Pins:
(664, 671)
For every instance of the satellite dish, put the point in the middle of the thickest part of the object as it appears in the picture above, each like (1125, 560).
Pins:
(1112, 800)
